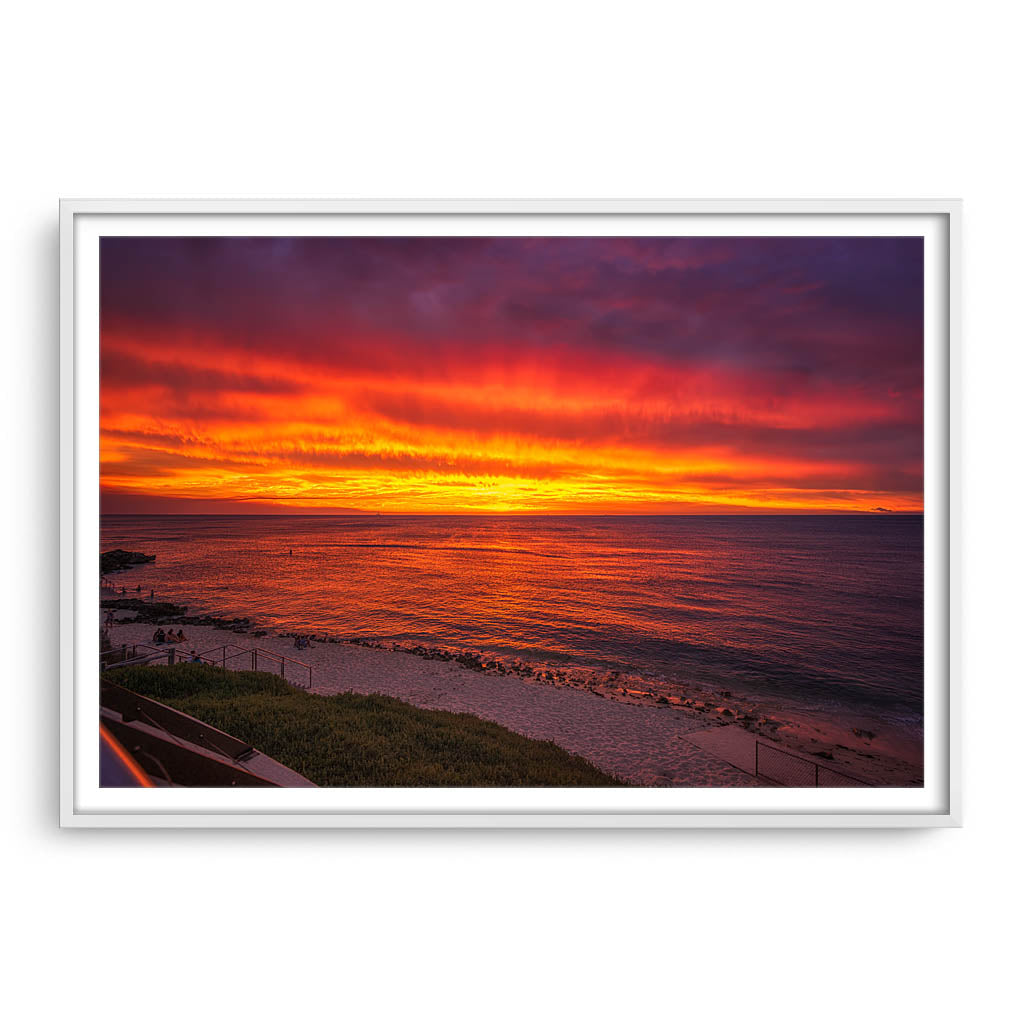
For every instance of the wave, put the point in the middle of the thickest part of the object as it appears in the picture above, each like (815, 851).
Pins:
(443, 547)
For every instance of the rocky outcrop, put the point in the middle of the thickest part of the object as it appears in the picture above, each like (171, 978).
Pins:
(164, 613)
(118, 559)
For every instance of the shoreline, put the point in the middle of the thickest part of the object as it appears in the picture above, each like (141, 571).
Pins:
(509, 691)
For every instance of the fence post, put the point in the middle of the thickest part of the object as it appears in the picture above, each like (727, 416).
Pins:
(282, 668)
(254, 659)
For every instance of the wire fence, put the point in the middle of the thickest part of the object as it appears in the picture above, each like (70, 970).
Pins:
(786, 769)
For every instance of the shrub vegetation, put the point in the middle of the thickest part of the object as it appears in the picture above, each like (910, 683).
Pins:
(358, 740)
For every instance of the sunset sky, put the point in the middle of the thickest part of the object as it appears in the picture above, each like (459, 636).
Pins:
(553, 375)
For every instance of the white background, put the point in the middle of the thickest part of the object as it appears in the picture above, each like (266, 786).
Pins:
(530, 100)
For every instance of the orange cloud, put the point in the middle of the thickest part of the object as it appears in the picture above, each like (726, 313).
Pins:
(323, 413)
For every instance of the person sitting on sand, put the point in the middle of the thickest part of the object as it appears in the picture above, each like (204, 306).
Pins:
(181, 636)
(158, 636)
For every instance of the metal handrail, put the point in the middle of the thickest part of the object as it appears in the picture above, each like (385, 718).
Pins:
(123, 651)
(223, 648)
(174, 653)
(222, 657)
(797, 757)
(144, 659)
(256, 652)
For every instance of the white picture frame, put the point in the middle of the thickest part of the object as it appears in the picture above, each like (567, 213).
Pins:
(84, 804)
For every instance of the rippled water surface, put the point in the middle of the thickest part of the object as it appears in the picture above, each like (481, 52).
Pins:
(819, 612)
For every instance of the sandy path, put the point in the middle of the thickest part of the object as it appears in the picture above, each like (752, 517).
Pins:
(642, 744)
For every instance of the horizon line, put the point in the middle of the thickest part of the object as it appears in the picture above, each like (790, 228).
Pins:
(552, 515)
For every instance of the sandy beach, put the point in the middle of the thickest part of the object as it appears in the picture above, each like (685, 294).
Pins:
(644, 745)
(635, 736)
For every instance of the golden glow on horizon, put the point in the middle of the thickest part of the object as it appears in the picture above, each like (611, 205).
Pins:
(507, 374)
(480, 439)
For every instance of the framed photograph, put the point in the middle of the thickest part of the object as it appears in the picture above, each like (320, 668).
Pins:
(509, 513)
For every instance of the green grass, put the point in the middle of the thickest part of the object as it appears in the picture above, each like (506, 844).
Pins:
(355, 740)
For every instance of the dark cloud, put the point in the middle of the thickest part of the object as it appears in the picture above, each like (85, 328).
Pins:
(798, 302)
(784, 350)
(164, 370)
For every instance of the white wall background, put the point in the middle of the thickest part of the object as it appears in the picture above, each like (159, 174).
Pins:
(523, 100)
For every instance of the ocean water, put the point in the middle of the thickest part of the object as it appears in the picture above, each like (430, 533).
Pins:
(818, 613)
